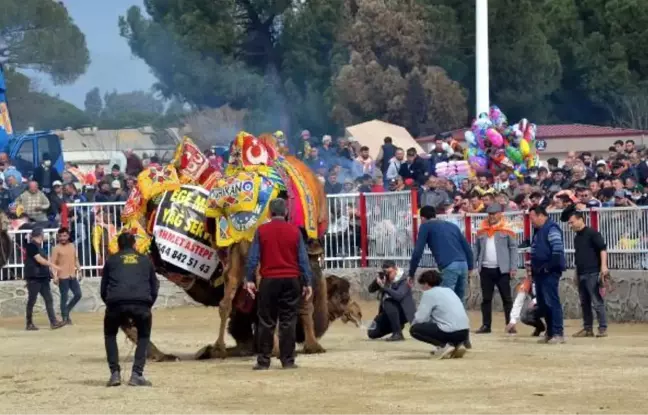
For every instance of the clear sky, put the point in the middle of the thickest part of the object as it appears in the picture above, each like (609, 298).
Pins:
(112, 66)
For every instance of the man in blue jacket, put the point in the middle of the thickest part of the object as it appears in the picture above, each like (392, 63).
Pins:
(547, 265)
(450, 249)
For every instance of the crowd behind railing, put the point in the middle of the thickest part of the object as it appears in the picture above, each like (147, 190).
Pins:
(365, 229)
(372, 202)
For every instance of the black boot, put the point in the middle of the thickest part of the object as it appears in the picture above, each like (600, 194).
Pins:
(115, 379)
(57, 325)
(31, 327)
(396, 337)
(483, 330)
(138, 380)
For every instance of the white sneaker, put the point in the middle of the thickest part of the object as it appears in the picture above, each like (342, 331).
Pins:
(445, 352)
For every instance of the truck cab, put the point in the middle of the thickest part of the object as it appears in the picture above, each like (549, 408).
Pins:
(26, 151)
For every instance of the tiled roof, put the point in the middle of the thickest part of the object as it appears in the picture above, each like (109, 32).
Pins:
(550, 131)
(583, 130)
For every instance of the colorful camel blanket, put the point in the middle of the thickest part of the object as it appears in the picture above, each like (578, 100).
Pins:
(240, 203)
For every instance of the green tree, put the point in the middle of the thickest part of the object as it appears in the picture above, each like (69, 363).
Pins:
(176, 108)
(132, 102)
(39, 34)
(416, 104)
(602, 47)
(391, 56)
(525, 69)
(210, 53)
(93, 104)
(273, 58)
(30, 107)
(131, 110)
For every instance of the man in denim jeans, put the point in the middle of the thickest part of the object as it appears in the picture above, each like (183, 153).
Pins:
(547, 265)
(450, 249)
(591, 270)
(64, 256)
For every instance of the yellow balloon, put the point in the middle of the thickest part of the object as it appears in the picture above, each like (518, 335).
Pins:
(524, 148)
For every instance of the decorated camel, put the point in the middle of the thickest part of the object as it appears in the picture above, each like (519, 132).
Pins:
(197, 223)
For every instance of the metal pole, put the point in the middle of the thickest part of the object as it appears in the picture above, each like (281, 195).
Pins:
(481, 56)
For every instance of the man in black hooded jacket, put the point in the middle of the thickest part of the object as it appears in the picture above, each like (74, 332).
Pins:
(129, 288)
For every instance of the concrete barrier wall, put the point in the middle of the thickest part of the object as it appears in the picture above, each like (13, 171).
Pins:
(13, 297)
(629, 301)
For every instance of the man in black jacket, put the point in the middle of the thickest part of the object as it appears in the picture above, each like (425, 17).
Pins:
(129, 288)
(37, 276)
(396, 303)
(414, 168)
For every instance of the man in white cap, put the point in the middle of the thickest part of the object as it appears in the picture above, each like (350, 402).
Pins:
(56, 200)
(327, 152)
(118, 192)
(303, 146)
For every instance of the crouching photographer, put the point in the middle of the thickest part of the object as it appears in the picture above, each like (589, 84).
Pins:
(441, 319)
(396, 303)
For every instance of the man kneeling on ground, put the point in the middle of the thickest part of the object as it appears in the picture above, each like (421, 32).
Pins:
(440, 319)
(396, 303)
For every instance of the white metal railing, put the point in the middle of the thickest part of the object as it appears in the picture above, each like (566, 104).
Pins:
(342, 241)
(388, 226)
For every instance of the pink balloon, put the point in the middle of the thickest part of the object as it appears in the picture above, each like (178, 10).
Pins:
(495, 137)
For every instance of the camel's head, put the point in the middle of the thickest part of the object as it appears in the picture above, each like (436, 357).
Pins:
(340, 304)
(352, 314)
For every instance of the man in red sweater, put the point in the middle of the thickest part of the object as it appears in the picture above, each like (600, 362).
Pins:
(279, 249)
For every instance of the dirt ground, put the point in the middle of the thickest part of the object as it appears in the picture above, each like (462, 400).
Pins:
(64, 371)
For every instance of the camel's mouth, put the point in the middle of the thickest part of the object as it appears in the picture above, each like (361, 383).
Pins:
(356, 322)
(353, 314)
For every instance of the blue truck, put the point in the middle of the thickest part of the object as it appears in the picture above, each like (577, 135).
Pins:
(26, 150)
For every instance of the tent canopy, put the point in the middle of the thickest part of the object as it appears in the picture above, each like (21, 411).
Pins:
(372, 133)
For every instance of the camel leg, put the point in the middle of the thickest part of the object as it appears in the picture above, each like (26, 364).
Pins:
(311, 345)
(307, 310)
(219, 349)
(152, 352)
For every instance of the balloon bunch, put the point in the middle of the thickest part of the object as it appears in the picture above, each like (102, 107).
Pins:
(493, 145)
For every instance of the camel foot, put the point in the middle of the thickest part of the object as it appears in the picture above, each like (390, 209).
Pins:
(165, 358)
(314, 348)
(240, 351)
(220, 350)
(205, 353)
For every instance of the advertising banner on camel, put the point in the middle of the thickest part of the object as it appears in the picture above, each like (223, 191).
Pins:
(180, 233)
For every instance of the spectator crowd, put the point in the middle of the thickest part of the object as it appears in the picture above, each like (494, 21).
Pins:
(616, 179)
(619, 178)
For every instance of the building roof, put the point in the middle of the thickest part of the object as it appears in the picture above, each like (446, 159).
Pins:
(551, 131)
(91, 139)
(89, 145)
(372, 133)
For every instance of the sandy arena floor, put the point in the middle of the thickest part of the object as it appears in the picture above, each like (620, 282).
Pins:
(64, 372)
